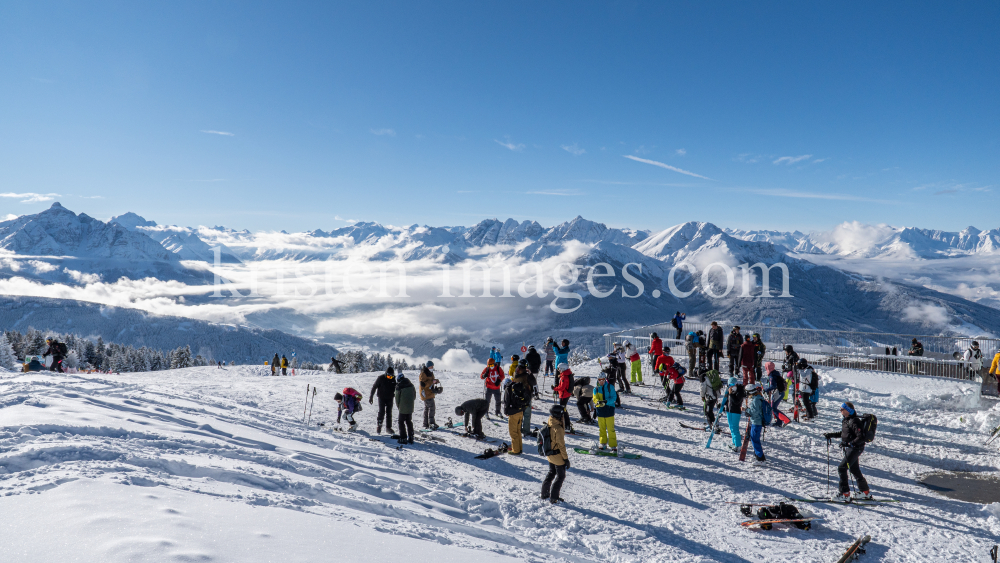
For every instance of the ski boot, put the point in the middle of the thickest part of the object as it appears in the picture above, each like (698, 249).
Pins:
(614, 451)
(378, 429)
(841, 497)
(862, 495)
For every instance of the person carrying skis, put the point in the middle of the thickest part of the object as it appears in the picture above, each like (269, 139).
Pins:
(534, 361)
(790, 368)
(275, 362)
(284, 365)
(550, 357)
(635, 362)
(678, 323)
(58, 351)
(808, 388)
(517, 396)
(348, 402)
(755, 413)
(385, 389)
(476, 409)
(405, 396)
(711, 387)
(604, 405)
(564, 389)
(974, 358)
(559, 461)
(733, 343)
(774, 391)
(562, 353)
(584, 393)
(428, 386)
(758, 356)
(655, 348)
(852, 440)
(714, 346)
(748, 358)
(493, 376)
(622, 363)
(734, 410)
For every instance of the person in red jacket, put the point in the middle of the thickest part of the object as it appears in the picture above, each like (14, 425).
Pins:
(673, 381)
(748, 359)
(655, 348)
(493, 376)
(564, 388)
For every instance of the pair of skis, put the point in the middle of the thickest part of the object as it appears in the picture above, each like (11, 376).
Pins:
(308, 404)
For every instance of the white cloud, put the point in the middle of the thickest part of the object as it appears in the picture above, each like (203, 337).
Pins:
(30, 197)
(792, 159)
(748, 158)
(10, 217)
(573, 149)
(517, 147)
(552, 193)
(927, 314)
(214, 132)
(853, 236)
(667, 166)
(388, 132)
(339, 218)
(812, 195)
(680, 152)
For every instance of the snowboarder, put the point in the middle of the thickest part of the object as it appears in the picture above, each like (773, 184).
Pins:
(550, 357)
(748, 357)
(584, 393)
(476, 409)
(534, 360)
(774, 390)
(758, 358)
(756, 412)
(385, 389)
(604, 406)
(678, 323)
(808, 388)
(405, 396)
(428, 387)
(714, 346)
(974, 358)
(493, 376)
(733, 343)
(284, 365)
(516, 397)
(564, 389)
(559, 460)
(562, 353)
(852, 440)
(734, 410)
(275, 362)
(711, 387)
(348, 402)
(635, 362)
(58, 351)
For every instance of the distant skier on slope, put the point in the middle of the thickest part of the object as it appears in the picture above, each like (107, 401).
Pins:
(385, 389)
(852, 440)
(348, 403)
(335, 365)
(58, 352)
(557, 455)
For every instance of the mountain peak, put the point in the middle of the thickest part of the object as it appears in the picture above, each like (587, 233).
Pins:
(131, 221)
(56, 205)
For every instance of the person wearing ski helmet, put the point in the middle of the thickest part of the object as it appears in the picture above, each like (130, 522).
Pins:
(755, 413)
(852, 441)
(428, 392)
(550, 357)
(475, 409)
(735, 396)
(562, 353)
(604, 398)
(808, 388)
(623, 361)
(974, 360)
(635, 363)
(492, 377)
(676, 383)
(564, 389)
(385, 389)
(559, 460)
(733, 343)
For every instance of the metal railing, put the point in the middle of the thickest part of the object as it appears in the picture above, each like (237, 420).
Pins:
(832, 348)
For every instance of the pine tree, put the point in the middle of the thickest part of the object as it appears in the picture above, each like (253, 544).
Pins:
(181, 358)
(8, 360)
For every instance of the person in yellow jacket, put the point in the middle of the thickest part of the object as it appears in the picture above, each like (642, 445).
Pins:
(284, 365)
(559, 460)
(514, 359)
(995, 370)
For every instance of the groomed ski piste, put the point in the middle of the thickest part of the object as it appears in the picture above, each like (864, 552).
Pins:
(208, 464)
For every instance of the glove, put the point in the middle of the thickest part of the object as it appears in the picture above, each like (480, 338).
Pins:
(567, 463)
(371, 400)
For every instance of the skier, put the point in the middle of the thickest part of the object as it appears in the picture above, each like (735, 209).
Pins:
(755, 413)
(734, 410)
(655, 348)
(635, 362)
(604, 406)
(532, 383)
(676, 383)
(748, 357)
(995, 370)
(284, 365)
(562, 353)
(613, 370)
(348, 402)
(477, 409)
(584, 393)
(774, 390)
(517, 396)
(692, 346)
(714, 346)
(405, 396)
(678, 323)
(550, 357)
(514, 359)
(733, 343)
(58, 351)
(565, 390)
(493, 376)
(622, 362)
(790, 368)
(497, 357)
(558, 462)
(852, 440)
(808, 388)
(428, 385)
(974, 358)
(534, 360)
(664, 367)
(711, 386)
(758, 356)
(275, 362)
(335, 365)
(385, 389)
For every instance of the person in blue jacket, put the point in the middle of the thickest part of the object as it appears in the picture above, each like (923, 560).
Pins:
(496, 356)
(562, 352)
(678, 322)
(755, 412)
(735, 394)
(604, 405)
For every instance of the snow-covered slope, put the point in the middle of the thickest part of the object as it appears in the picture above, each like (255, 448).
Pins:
(181, 241)
(216, 465)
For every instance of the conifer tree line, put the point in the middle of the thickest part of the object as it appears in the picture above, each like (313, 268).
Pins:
(356, 361)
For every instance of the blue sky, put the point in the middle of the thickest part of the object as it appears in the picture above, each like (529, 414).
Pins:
(637, 114)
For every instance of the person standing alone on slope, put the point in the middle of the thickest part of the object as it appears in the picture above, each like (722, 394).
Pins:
(678, 323)
(852, 440)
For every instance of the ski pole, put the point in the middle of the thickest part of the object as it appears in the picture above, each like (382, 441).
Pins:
(306, 404)
(828, 468)
(311, 403)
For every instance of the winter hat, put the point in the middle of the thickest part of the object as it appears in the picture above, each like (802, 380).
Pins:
(562, 367)
(769, 366)
(733, 381)
(430, 364)
(390, 371)
(557, 411)
(653, 335)
(459, 411)
(847, 407)
(338, 397)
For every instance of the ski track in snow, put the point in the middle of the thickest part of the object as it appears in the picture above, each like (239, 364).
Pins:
(225, 448)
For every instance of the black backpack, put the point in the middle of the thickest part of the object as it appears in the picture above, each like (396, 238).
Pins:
(63, 350)
(781, 386)
(673, 322)
(545, 441)
(515, 398)
(869, 423)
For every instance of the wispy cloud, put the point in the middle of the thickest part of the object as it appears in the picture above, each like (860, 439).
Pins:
(214, 132)
(680, 152)
(386, 132)
(663, 165)
(749, 158)
(573, 149)
(508, 144)
(10, 217)
(339, 218)
(621, 183)
(792, 159)
(30, 197)
(554, 192)
(812, 195)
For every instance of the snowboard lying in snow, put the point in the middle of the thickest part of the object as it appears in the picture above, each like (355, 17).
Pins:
(606, 453)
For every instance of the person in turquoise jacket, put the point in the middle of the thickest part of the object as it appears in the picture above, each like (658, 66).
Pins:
(562, 352)
(755, 412)
(604, 403)
(496, 356)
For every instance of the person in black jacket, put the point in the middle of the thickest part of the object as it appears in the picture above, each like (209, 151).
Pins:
(534, 360)
(714, 347)
(58, 351)
(385, 389)
(733, 344)
(477, 409)
(736, 396)
(852, 440)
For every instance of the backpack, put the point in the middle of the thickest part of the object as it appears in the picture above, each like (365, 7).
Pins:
(63, 350)
(545, 441)
(781, 386)
(714, 380)
(977, 360)
(681, 371)
(673, 322)
(515, 398)
(766, 414)
(691, 337)
(869, 423)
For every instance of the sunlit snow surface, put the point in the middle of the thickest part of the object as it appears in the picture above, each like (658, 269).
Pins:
(204, 464)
